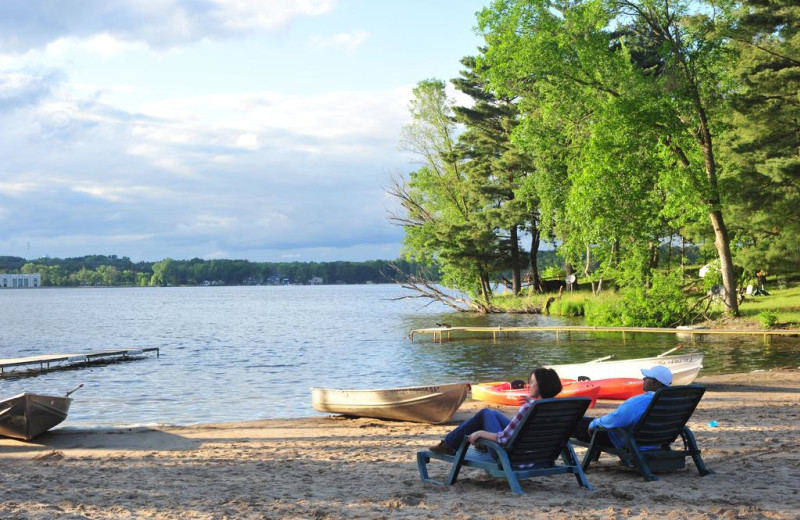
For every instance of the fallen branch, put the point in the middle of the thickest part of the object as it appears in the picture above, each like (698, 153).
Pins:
(427, 289)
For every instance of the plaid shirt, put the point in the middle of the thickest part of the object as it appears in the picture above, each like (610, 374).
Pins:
(504, 435)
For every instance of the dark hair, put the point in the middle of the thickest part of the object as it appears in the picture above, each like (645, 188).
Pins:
(548, 382)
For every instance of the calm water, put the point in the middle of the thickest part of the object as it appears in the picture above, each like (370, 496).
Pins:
(243, 353)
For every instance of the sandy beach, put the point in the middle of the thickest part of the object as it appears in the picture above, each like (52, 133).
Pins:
(334, 467)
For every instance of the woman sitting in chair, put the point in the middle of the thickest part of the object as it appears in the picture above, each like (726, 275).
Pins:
(494, 426)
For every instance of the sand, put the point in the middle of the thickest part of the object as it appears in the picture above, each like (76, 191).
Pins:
(334, 467)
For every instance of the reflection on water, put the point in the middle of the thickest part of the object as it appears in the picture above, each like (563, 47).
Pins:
(241, 353)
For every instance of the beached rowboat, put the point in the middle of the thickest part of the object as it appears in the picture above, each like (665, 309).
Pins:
(503, 393)
(684, 368)
(25, 416)
(431, 404)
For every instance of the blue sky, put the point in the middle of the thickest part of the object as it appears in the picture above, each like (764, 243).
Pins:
(257, 129)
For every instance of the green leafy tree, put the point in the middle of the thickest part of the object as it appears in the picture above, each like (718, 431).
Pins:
(495, 167)
(164, 273)
(443, 216)
(567, 62)
(764, 133)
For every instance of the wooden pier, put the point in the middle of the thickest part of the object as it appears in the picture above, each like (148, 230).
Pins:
(37, 364)
(441, 333)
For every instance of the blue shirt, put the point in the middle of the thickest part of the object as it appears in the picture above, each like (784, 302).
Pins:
(626, 416)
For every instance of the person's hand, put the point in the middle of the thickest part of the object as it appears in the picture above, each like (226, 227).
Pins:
(473, 437)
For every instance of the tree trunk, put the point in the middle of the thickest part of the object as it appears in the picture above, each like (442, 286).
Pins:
(587, 269)
(516, 277)
(536, 280)
(683, 256)
(722, 242)
(669, 250)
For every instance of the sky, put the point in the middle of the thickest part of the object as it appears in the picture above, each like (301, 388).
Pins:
(265, 130)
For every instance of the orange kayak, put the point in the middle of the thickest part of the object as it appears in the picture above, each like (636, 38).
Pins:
(617, 388)
(502, 393)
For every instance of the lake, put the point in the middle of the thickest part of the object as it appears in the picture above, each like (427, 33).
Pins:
(245, 353)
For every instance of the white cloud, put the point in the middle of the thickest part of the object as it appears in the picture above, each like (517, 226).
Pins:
(348, 42)
(15, 189)
(248, 142)
(118, 193)
(237, 175)
(109, 27)
(269, 15)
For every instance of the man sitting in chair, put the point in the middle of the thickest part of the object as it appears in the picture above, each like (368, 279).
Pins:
(628, 413)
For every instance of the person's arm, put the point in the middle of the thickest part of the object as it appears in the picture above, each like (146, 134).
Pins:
(626, 415)
(481, 434)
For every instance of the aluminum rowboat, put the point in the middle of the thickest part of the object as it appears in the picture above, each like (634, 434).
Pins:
(25, 416)
(684, 368)
(430, 404)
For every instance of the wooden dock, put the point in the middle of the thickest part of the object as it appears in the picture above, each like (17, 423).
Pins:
(43, 363)
(441, 333)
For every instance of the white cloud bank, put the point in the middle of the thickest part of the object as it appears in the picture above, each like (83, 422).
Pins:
(160, 24)
(246, 175)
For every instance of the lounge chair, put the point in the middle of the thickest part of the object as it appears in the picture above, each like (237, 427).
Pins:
(540, 439)
(648, 445)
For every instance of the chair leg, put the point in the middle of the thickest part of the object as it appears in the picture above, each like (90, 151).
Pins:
(422, 466)
(691, 444)
(592, 453)
(508, 471)
(639, 461)
(570, 459)
(458, 460)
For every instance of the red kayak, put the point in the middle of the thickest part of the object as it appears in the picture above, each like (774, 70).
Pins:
(502, 393)
(617, 388)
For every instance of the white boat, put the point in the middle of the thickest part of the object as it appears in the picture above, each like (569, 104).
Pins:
(684, 368)
(431, 404)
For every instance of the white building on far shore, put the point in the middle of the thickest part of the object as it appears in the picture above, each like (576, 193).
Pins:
(12, 281)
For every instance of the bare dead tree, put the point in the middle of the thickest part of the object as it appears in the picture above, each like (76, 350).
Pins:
(427, 289)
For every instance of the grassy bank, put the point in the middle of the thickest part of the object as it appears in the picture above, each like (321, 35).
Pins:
(781, 307)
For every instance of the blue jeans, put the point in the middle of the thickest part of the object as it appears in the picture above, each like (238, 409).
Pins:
(487, 419)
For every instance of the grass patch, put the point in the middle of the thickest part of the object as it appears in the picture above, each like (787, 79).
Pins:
(781, 307)
(783, 303)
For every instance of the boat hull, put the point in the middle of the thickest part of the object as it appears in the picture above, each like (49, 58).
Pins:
(618, 388)
(430, 404)
(502, 393)
(25, 416)
(684, 368)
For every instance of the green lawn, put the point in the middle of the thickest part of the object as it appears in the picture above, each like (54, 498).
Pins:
(784, 303)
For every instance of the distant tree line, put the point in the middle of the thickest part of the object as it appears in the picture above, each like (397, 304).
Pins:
(101, 270)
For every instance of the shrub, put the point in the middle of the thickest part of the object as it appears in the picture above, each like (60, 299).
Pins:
(552, 272)
(572, 309)
(603, 314)
(663, 305)
(767, 318)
